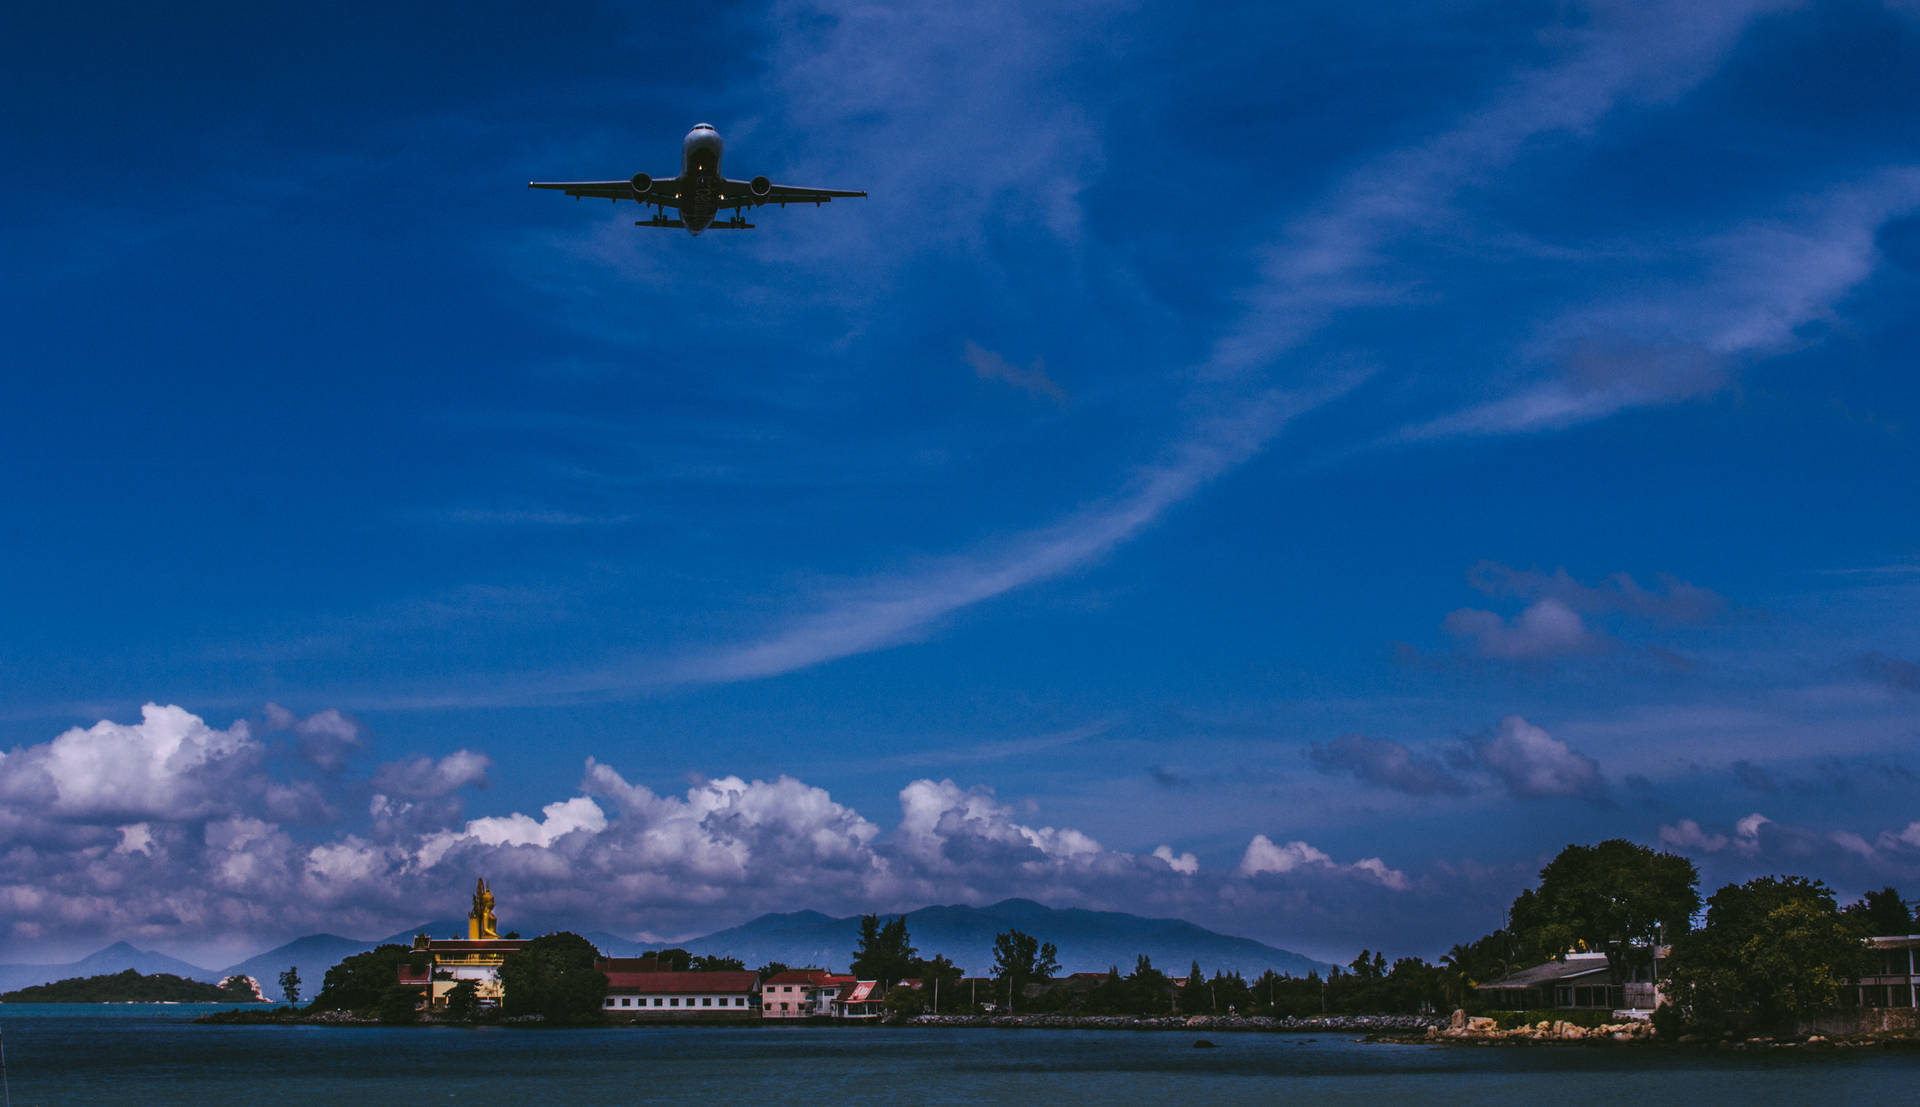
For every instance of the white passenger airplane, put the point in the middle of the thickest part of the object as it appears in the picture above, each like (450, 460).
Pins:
(699, 193)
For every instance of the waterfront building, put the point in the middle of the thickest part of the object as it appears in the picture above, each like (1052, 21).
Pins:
(1580, 982)
(861, 999)
(801, 993)
(440, 964)
(647, 993)
(1894, 978)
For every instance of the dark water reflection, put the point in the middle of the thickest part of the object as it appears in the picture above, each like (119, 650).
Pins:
(59, 1054)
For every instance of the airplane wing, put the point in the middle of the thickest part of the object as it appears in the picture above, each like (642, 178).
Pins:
(662, 191)
(739, 194)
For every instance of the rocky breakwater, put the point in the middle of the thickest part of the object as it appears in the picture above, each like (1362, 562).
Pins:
(1339, 1024)
(1479, 1030)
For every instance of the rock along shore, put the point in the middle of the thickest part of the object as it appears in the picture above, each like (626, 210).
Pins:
(1485, 1031)
(1339, 1024)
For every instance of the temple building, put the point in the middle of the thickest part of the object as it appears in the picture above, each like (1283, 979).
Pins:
(477, 957)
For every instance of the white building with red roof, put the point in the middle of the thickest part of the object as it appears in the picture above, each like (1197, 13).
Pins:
(801, 994)
(861, 999)
(676, 995)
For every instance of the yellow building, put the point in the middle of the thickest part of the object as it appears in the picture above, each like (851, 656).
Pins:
(477, 957)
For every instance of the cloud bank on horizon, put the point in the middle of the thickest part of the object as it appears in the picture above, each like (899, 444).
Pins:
(1387, 445)
(202, 838)
(173, 831)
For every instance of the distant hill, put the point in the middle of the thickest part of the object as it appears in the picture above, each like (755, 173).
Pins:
(1089, 941)
(117, 957)
(310, 956)
(129, 987)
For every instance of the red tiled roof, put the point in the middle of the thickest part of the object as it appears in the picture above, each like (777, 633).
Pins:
(814, 977)
(680, 983)
(860, 991)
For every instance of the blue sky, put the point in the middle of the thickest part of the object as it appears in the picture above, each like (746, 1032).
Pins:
(1291, 469)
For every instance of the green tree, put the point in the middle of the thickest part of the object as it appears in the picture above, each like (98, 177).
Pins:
(399, 1005)
(1111, 996)
(885, 952)
(905, 1002)
(771, 968)
(1615, 898)
(1019, 959)
(1230, 994)
(237, 989)
(554, 975)
(1148, 989)
(290, 985)
(358, 982)
(1194, 998)
(715, 962)
(939, 979)
(672, 960)
(1879, 913)
(1774, 951)
(463, 1001)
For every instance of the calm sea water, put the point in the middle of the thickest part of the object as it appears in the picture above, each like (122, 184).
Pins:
(152, 1054)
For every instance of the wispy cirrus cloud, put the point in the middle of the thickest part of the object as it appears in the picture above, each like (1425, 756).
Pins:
(1749, 292)
(1322, 264)
(888, 611)
(1339, 256)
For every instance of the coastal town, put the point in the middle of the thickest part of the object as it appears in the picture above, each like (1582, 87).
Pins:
(1603, 948)
(1613, 944)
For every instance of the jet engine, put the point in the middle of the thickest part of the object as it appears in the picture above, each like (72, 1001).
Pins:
(760, 187)
(642, 184)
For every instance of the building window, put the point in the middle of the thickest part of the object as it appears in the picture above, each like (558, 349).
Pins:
(626, 1001)
(706, 1001)
(657, 1001)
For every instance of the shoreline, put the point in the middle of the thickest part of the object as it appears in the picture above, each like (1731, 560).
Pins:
(1410, 1030)
(1370, 1025)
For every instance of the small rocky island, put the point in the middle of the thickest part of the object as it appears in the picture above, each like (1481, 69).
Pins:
(134, 987)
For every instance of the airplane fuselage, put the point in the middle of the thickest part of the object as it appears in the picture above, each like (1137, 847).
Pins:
(701, 185)
(700, 192)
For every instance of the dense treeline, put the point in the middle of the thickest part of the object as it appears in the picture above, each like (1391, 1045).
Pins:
(135, 987)
(1767, 954)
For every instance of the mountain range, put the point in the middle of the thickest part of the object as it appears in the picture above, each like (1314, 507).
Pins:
(1088, 941)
